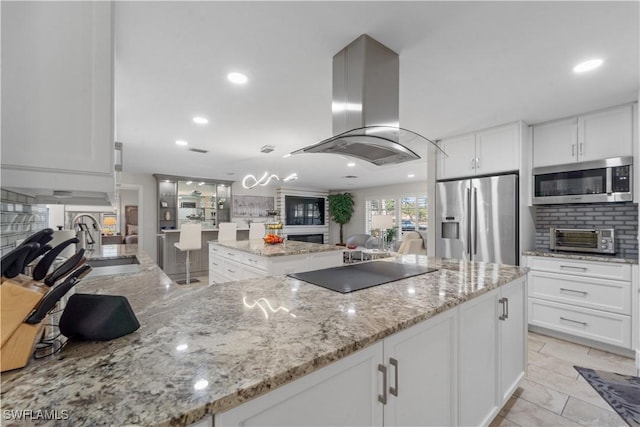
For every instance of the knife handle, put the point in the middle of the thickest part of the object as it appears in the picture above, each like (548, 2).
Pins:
(41, 237)
(12, 262)
(42, 268)
(74, 261)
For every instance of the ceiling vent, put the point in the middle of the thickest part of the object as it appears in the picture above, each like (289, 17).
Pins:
(60, 194)
(198, 150)
(267, 148)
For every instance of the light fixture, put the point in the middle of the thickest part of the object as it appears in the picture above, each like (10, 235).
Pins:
(411, 175)
(286, 155)
(291, 177)
(237, 78)
(250, 181)
(587, 65)
(382, 223)
(351, 164)
(181, 142)
(201, 183)
(200, 120)
(109, 221)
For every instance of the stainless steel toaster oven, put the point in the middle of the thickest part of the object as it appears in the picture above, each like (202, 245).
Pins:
(600, 240)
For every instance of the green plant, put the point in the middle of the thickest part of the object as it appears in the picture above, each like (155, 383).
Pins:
(391, 233)
(340, 210)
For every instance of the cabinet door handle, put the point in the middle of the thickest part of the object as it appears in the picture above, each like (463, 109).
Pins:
(502, 302)
(382, 398)
(570, 267)
(573, 321)
(506, 303)
(581, 145)
(573, 150)
(477, 163)
(573, 290)
(394, 390)
(473, 164)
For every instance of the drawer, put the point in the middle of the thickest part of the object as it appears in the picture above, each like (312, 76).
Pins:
(605, 270)
(599, 294)
(255, 261)
(596, 325)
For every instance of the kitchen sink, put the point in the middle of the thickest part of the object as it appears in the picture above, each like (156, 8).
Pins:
(113, 266)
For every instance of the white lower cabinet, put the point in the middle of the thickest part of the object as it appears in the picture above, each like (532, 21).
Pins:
(457, 368)
(582, 299)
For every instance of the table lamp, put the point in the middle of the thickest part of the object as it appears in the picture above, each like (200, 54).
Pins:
(109, 222)
(383, 223)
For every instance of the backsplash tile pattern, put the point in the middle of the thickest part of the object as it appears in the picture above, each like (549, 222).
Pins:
(623, 217)
(20, 217)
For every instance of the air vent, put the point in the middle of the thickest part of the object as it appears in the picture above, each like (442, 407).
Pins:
(350, 176)
(198, 150)
(60, 194)
(267, 148)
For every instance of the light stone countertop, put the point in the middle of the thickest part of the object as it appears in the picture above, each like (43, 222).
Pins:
(216, 333)
(580, 256)
(290, 247)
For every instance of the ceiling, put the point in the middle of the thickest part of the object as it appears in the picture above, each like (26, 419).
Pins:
(463, 66)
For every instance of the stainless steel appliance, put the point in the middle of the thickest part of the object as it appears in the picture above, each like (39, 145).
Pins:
(607, 180)
(601, 241)
(477, 219)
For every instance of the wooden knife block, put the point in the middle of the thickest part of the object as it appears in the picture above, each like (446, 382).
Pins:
(18, 297)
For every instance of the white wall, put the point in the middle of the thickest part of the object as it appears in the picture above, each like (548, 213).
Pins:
(147, 213)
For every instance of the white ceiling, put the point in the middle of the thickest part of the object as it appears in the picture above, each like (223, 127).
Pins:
(463, 66)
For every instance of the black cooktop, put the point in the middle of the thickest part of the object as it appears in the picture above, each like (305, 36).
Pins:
(361, 276)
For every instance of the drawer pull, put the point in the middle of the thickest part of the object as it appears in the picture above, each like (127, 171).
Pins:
(230, 271)
(382, 398)
(394, 390)
(503, 302)
(230, 254)
(573, 290)
(571, 267)
(573, 321)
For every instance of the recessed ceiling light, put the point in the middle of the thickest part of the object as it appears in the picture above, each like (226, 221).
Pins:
(237, 78)
(587, 65)
(181, 142)
(200, 120)
(202, 183)
(411, 175)
(286, 155)
(351, 164)
(189, 182)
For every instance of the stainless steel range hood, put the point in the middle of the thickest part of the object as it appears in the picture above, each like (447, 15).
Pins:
(365, 107)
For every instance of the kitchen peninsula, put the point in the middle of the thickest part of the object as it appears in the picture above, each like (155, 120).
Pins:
(247, 259)
(224, 349)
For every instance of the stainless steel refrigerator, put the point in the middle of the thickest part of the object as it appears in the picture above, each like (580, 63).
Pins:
(477, 219)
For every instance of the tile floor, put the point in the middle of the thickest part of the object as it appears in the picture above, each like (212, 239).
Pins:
(554, 394)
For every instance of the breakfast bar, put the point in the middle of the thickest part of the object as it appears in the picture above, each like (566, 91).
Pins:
(273, 349)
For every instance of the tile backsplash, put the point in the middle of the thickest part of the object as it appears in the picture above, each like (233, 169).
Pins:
(623, 217)
(20, 217)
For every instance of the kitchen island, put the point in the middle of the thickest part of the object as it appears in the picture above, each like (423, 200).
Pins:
(247, 259)
(205, 349)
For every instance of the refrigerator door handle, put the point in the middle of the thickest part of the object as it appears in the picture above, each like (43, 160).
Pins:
(469, 222)
(475, 221)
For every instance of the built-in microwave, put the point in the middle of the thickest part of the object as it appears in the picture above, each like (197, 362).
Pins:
(191, 205)
(598, 181)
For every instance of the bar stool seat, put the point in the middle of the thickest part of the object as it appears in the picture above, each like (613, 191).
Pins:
(256, 230)
(227, 231)
(190, 240)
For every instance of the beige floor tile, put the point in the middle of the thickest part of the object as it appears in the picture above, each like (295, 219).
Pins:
(611, 362)
(590, 415)
(525, 413)
(545, 397)
(500, 421)
(533, 343)
(577, 388)
(552, 363)
(564, 349)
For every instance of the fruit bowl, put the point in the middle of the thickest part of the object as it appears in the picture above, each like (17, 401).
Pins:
(272, 239)
(351, 246)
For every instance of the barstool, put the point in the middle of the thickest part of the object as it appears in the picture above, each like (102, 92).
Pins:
(190, 240)
(256, 230)
(227, 231)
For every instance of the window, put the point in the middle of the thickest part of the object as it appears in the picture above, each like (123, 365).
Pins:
(413, 212)
(379, 207)
(409, 212)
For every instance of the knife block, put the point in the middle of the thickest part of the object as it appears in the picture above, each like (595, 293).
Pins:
(18, 297)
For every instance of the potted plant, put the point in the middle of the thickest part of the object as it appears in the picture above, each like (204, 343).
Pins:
(340, 210)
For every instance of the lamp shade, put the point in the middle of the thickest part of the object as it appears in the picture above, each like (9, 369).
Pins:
(109, 221)
(381, 222)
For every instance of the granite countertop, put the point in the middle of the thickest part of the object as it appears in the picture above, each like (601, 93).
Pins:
(290, 247)
(545, 252)
(204, 349)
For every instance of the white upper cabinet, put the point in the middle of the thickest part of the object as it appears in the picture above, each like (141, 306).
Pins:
(484, 152)
(57, 95)
(595, 136)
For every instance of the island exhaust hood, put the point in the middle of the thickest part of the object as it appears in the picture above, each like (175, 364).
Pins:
(365, 107)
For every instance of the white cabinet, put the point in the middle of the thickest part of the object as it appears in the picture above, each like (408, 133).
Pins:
(595, 136)
(344, 393)
(422, 374)
(228, 265)
(456, 368)
(484, 152)
(57, 95)
(582, 299)
(492, 352)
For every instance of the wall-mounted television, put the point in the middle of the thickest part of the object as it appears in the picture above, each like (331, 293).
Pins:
(304, 210)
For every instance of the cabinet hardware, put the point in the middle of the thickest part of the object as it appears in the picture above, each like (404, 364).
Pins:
(581, 148)
(502, 302)
(382, 398)
(477, 163)
(475, 221)
(506, 303)
(214, 263)
(394, 390)
(469, 221)
(230, 271)
(473, 164)
(573, 290)
(230, 254)
(574, 321)
(570, 267)
(573, 150)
